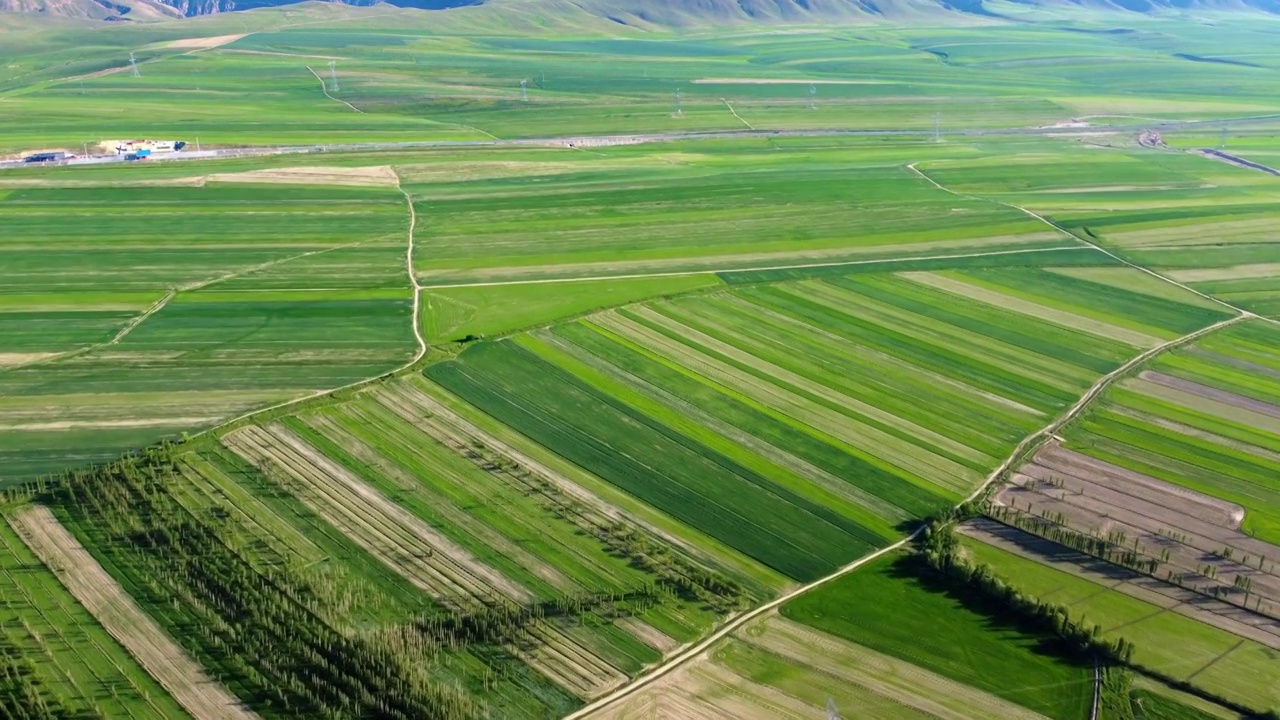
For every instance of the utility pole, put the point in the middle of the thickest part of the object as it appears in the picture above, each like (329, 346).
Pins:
(133, 62)
(333, 75)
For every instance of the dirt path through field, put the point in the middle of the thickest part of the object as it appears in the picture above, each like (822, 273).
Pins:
(1027, 444)
(103, 597)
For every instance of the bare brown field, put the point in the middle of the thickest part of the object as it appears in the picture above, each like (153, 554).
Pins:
(204, 42)
(376, 176)
(1196, 539)
(103, 597)
(1159, 593)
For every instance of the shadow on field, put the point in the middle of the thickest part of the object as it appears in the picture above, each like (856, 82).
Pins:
(997, 619)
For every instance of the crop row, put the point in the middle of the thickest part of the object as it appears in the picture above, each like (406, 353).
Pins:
(802, 423)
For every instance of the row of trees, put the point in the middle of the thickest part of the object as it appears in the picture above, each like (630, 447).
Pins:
(23, 696)
(258, 630)
(1115, 548)
(940, 557)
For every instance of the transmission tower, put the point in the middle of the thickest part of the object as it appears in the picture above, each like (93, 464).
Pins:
(832, 712)
(1222, 142)
(133, 63)
(813, 97)
(679, 105)
(333, 76)
(937, 127)
(524, 90)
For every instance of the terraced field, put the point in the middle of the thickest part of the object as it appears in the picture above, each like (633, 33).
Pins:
(789, 421)
(186, 306)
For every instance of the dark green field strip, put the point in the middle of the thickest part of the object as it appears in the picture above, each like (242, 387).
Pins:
(1044, 338)
(829, 385)
(47, 332)
(804, 441)
(678, 413)
(1074, 257)
(373, 324)
(891, 611)
(1202, 465)
(1119, 306)
(673, 473)
(936, 357)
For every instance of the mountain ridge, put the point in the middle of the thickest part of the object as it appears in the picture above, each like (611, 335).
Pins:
(664, 13)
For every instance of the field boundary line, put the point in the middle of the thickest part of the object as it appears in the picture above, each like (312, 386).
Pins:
(325, 89)
(129, 327)
(419, 338)
(717, 271)
(1041, 218)
(735, 114)
(1028, 443)
(156, 307)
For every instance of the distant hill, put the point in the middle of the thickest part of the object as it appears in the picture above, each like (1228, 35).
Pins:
(662, 13)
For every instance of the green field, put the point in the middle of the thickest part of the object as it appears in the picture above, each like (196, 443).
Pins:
(889, 611)
(702, 407)
(1201, 418)
(1172, 644)
(186, 306)
(656, 380)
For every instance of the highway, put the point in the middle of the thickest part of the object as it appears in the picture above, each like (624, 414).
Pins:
(585, 141)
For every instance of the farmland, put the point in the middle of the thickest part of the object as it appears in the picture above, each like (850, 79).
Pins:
(187, 306)
(804, 460)
(511, 427)
(1186, 642)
